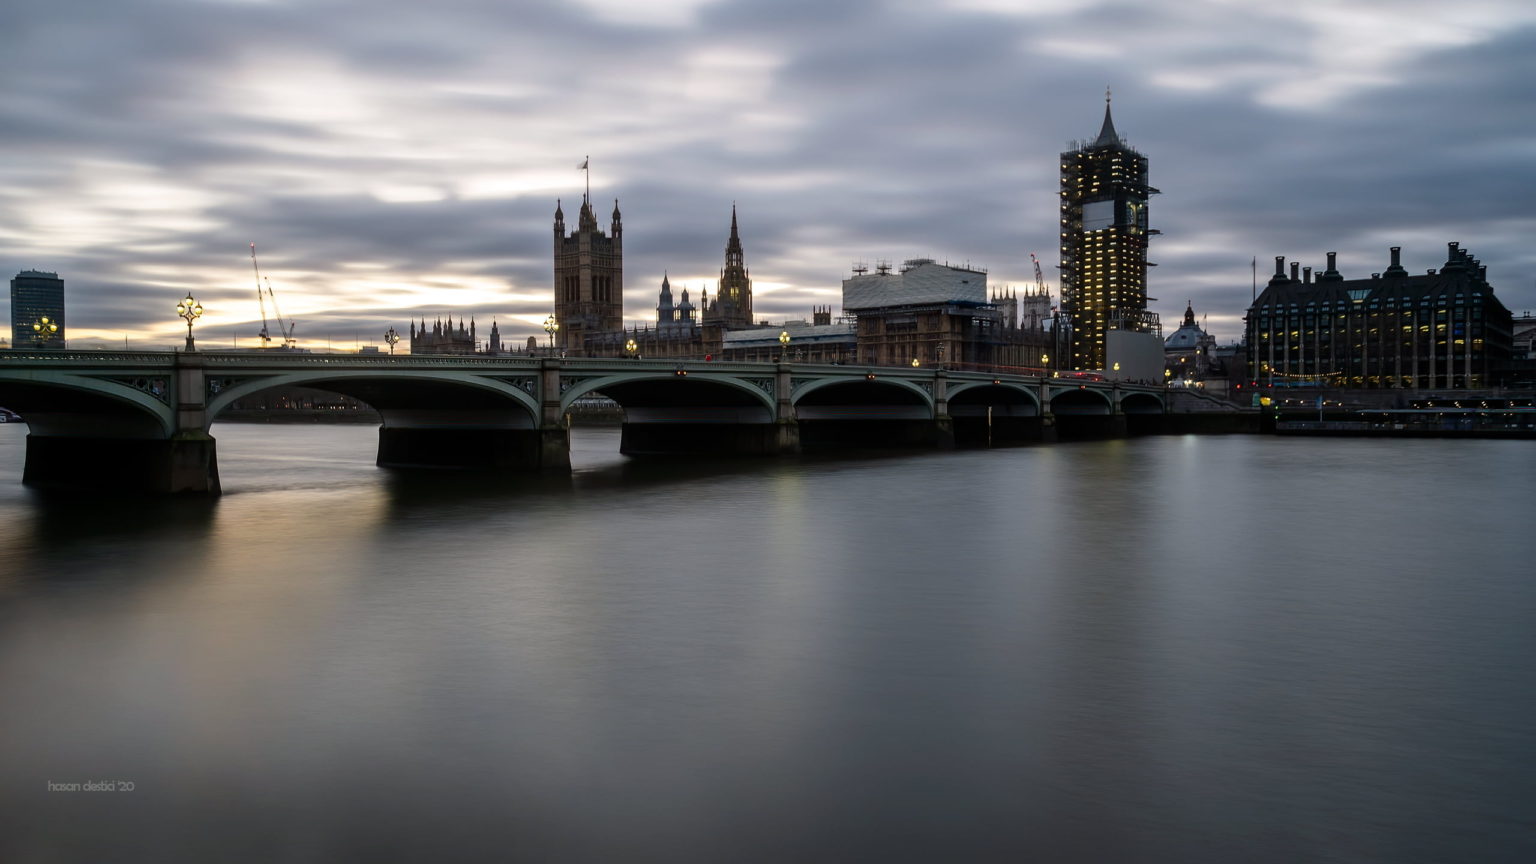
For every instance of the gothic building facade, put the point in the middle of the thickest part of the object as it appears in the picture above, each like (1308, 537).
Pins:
(732, 306)
(589, 286)
(589, 277)
(444, 338)
(1104, 236)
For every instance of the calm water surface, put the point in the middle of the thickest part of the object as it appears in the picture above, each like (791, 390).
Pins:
(1182, 649)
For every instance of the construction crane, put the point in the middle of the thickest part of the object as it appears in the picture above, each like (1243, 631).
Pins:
(1039, 277)
(263, 294)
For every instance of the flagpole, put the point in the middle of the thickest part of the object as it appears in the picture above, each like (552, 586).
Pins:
(586, 165)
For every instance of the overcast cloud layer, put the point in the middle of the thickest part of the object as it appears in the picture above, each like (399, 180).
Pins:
(400, 160)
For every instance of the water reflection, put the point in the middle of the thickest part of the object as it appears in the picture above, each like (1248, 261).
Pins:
(1150, 650)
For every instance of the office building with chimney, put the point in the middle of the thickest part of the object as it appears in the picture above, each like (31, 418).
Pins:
(1441, 330)
(1104, 236)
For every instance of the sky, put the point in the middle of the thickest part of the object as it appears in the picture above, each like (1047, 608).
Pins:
(395, 160)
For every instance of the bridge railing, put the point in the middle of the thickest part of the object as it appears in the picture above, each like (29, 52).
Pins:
(138, 358)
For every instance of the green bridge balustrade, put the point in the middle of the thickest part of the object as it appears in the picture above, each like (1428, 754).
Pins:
(140, 421)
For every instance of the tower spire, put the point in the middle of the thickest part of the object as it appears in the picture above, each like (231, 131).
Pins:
(1107, 135)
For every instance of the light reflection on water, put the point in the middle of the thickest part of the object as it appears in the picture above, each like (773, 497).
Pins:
(1173, 649)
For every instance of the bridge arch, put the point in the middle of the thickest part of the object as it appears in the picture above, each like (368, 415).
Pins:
(1141, 403)
(984, 393)
(988, 413)
(867, 410)
(82, 406)
(670, 411)
(651, 390)
(865, 389)
(1081, 400)
(400, 395)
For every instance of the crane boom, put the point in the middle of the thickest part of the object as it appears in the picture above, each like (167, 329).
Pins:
(262, 296)
(260, 300)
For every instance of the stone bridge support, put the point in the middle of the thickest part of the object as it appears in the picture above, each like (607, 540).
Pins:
(96, 444)
(786, 426)
(943, 424)
(1047, 419)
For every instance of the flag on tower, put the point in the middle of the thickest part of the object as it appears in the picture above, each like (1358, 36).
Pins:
(583, 165)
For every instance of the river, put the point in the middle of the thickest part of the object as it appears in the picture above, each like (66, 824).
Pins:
(1171, 649)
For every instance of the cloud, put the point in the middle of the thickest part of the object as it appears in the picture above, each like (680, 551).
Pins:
(396, 160)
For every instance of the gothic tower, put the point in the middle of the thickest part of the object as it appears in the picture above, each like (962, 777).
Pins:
(1104, 235)
(732, 307)
(666, 313)
(589, 277)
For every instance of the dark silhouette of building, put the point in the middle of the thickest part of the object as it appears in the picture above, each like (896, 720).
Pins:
(1104, 235)
(1437, 331)
(589, 278)
(36, 295)
(677, 318)
(445, 338)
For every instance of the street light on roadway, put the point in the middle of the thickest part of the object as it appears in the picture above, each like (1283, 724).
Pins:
(191, 310)
(783, 345)
(392, 336)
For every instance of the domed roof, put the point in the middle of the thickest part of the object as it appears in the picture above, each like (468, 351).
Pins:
(1188, 336)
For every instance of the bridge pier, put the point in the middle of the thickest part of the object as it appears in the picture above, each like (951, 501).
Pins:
(186, 462)
(490, 449)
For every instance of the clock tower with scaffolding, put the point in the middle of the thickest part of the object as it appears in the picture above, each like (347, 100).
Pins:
(1104, 237)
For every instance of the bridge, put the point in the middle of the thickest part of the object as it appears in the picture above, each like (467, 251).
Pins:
(140, 421)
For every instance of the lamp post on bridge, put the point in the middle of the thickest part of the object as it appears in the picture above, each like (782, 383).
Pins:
(551, 326)
(191, 310)
(392, 336)
(630, 348)
(43, 330)
(783, 346)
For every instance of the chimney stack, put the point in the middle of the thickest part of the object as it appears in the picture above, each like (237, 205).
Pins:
(1396, 268)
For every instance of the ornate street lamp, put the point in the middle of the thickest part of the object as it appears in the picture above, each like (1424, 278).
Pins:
(191, 310)
(915, 364)
(630, 347)
(392, 336)
(551, 326)
(783, 345)
(43, 330)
